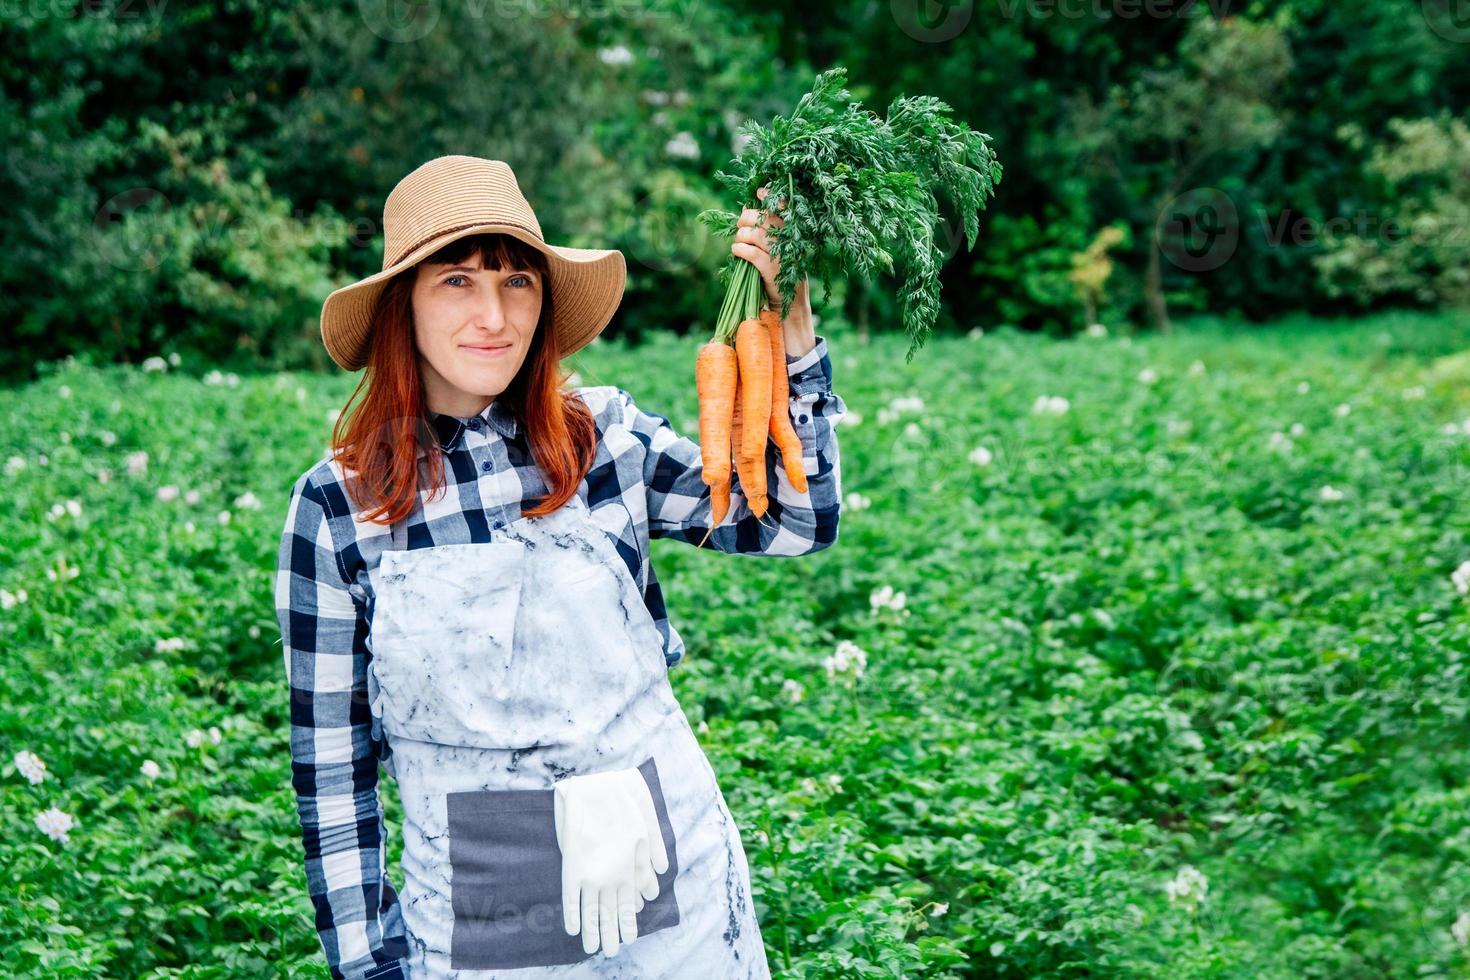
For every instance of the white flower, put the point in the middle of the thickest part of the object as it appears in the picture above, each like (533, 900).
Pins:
(224, 517)
(188, 527)
(834, 780)
(137, 462)
(233, 380)
(253, 632)
(108, 438)
(64, 391)
(1297, 429)
(942, 907)
(1178, 427)
(1303, 388)
(1461, 929)
(1051, 405)
(619, 55)
(1196, 368)
(172, 644)
(195, 738)
(1330, 493)
(214, 378)
(793, 690)
(1460, 578)
(14, 465)
(214, 735)
(1450, 429)
(155, 364)
(1342, 411)
(849, 417)
(9, 600)
(169, 492)
(857, 501)
(899, 406)
(1148, 376)
(104, 475)
(1188, 888)
(849, 660)
(61, 571)
(981, 456)
(1096, 330)
(192, 497)
(912, 430)
(1279, 442)
(150, 769)
(30, 766)
(1413, 394)
(703, 727)
(886, 598)
(333, 414)
(976, 333)
(247, 501)
(1103, 617)
(54, 824)
(683, 145)
(174, 359)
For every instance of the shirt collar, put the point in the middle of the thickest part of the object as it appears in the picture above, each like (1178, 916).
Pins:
(450, 428)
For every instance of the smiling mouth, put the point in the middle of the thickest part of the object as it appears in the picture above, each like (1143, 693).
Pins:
(488, 351)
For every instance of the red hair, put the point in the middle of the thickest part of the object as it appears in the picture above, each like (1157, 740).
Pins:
(378, 441)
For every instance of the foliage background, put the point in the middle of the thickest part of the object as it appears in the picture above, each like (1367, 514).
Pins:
(206, 171)
(1212, 615)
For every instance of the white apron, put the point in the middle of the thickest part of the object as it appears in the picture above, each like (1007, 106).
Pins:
(498, 668)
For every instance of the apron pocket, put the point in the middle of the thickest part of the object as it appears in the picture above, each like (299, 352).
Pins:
(505, 880)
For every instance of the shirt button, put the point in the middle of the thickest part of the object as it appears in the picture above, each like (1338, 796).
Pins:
(475, 423)
(801, 419)
(486, 466)
(499, 525)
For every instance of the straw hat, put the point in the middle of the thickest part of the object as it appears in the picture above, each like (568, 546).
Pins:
(451, 197)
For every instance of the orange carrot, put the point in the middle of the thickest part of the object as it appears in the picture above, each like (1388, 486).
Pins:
(747, 467)
(781, 429)
(753, 352)
(715, 374)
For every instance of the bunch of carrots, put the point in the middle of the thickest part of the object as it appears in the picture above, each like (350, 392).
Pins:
(743, 396)
(859, 195)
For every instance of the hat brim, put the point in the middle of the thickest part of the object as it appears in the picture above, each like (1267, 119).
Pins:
(588, 284)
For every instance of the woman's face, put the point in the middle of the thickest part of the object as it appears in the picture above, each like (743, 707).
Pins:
(473, 327)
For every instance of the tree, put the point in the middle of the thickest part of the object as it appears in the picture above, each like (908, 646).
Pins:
(1177, 126)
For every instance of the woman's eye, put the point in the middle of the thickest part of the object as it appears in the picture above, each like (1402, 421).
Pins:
(524, 279)
(449, 281)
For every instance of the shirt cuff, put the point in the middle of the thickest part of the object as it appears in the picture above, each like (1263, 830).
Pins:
(811, 371)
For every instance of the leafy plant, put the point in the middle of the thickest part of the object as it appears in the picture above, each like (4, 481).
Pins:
(856, 194)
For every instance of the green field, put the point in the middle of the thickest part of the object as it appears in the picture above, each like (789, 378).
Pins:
(1205, 618)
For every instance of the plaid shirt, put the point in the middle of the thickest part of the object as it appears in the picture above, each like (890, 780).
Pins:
(645, 482)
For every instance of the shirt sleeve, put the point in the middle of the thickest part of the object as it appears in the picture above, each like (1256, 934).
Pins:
(334, 756)
(795, 523)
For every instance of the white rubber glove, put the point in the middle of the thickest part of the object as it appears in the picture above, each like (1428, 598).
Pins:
(612, 851)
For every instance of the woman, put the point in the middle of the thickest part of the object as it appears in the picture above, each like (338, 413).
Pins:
(465, 596)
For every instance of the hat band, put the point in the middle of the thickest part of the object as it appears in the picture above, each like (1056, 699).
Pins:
(449, 231)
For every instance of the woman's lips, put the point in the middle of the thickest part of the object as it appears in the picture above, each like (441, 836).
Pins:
(486, 351)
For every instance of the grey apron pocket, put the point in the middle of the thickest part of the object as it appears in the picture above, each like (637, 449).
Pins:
(505, 880)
